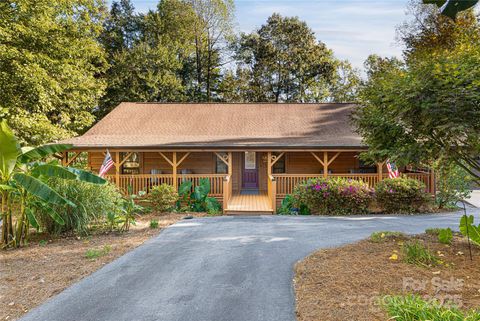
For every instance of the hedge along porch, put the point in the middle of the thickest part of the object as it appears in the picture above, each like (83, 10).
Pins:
(252, 154)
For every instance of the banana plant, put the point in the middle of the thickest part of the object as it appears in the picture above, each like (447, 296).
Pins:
(24, 181)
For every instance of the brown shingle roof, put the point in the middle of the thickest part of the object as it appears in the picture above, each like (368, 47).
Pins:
(142, 125)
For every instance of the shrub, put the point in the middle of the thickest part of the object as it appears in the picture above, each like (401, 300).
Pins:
(289, 206)
(445, 236)
(453, 185)
(92, 203)
(198, 200)
(153, 224)
(382, 236)
(414, 308)
(334, 196)
(163, 197)
(434, 231)
(402, 195)
(416, 253)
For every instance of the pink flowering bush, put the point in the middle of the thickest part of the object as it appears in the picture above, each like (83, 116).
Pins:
(402, 195)
(334, 196)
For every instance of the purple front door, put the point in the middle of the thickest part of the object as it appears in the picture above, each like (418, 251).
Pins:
(250, 171)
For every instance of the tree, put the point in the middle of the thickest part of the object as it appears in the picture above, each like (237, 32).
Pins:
(427, 30)
(147, 53)
(122, 28)
(286, 61)
(212, 30)
(143, 73)
(426, 108)
(50, 60)
(345, 84)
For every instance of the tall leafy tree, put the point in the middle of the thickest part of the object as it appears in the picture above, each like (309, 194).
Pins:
(286, 61)
(50, 60)
(122, 27)
(428, 107)
(345, 84)
(212, 30)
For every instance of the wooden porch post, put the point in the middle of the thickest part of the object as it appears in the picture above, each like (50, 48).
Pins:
(174, 170)
(117, 168)
(269, 164)
(230, 162)
(380, 170)
(174, 163)
(325, 164)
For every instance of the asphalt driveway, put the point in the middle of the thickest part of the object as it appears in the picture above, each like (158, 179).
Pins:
(217, 269)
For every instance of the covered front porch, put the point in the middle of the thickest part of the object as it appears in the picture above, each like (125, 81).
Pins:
(244, 181)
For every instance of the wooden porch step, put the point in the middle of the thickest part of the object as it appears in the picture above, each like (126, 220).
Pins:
(248, 204)
(247, 213)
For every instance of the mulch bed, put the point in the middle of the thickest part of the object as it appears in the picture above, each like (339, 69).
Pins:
(346, 283)
(31, 275)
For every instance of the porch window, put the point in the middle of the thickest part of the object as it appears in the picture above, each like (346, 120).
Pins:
(220, 166)
(365, 167)
(131, 165)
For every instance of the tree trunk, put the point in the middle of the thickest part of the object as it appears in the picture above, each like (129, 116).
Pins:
(4, 219)
(198, 58)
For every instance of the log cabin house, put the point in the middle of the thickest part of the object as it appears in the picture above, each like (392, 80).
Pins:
(253, 154)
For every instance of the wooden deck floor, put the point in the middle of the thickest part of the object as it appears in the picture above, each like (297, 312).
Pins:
(249, 203)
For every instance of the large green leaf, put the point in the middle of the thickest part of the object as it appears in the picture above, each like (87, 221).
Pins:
(439, 3)
(4, 187)
(9, 150)
(49, 170)
(468, 229)
(31, 218)
(43, 151)
(185, 188)
(54, 215)
(41, 190)
(450, 8)
(86, 176)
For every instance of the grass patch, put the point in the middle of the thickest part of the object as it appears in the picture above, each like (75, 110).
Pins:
(416, 253)
(153, 224)
(413, 308)
(382, 236)
(434, 231)
(93, 254)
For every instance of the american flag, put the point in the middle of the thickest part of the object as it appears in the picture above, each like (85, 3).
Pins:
(392, 170)
(106, 165)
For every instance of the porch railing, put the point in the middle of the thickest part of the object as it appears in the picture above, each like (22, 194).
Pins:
(216, 182)
(144, 182)
(286, 182)
(140, 182)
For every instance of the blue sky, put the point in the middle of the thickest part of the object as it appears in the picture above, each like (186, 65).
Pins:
(352, 28)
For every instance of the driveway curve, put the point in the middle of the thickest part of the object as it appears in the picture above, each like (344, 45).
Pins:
(217, 269)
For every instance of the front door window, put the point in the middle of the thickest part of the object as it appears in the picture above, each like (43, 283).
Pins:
(250, 172)
(250, 160)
